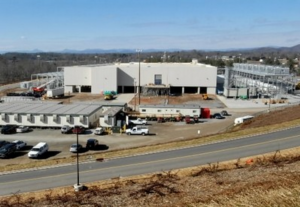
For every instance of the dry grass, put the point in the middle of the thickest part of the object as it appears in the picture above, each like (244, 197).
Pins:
(270, 180)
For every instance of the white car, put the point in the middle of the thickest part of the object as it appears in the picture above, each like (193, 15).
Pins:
(22, 129)
(75, 148)
(19, 144)
(99, 131)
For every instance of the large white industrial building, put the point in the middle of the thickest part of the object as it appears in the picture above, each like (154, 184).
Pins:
(153, 78)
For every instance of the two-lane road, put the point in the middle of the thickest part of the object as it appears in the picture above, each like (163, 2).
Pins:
(168, 160)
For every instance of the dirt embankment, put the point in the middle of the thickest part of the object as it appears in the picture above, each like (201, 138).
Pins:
(270, 180)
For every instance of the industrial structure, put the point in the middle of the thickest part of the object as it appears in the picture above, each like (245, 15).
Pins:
(47, 114)
(42, 81)
(142, 78)
(258, 81)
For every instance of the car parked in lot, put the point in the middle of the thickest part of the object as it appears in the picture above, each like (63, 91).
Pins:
(66, 129)
(99, 131)
(22, 129)
(3, 142)
(225, 113)
(78, 130)
(38, 150)
(19, 144)
(9, 129)
(218, 116)
(137, 131)
(91, 143)
(7, 150)
(76, 148)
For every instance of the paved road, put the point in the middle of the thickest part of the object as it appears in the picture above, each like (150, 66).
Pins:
(175, 159)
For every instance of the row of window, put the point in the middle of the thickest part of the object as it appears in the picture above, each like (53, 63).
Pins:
(159, 110)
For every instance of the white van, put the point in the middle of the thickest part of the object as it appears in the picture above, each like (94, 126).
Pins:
(38, 150)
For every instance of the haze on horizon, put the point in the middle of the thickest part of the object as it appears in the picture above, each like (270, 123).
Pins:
(55, 25)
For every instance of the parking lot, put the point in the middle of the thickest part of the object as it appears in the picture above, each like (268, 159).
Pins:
(59, 144)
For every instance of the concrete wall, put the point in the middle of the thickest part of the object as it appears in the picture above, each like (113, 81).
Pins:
(103, 79)
(109, 77)
(78, 75)
(176, 74)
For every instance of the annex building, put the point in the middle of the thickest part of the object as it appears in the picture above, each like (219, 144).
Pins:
(149, 78)
(47, 114)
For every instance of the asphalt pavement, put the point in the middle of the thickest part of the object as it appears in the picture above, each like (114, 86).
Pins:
(155, 162)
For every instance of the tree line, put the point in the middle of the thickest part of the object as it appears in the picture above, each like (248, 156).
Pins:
(16, 67)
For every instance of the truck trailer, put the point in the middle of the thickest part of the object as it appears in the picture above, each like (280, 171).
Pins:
(55, 93)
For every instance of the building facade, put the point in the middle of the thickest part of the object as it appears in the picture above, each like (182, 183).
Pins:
(153, 78)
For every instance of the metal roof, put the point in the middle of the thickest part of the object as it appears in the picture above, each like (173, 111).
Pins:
(49, 108)
(111, 111)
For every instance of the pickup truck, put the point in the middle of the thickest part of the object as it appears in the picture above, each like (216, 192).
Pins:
(139, 121)
(137, 130)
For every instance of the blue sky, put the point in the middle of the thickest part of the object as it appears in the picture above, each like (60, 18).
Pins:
(53, 25)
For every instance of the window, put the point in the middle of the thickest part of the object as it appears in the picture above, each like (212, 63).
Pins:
(194, 111)
(158, 110)
(143, 110)
(177, 111)
(158, 79)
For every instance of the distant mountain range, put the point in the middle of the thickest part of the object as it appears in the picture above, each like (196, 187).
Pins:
(294, 49)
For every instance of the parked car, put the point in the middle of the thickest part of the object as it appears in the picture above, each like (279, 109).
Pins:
(22, 129)
(225, 113)
(76, 148)
(9, 129)
(78, 130)
(99, 131)
(7, 150)
(138, 131)
(91, 143)
(66, 129)
(38, 150)
(2, 143)
(139, 121)
(218, 116)
(19, 144)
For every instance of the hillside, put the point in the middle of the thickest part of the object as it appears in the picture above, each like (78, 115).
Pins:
(266, 180)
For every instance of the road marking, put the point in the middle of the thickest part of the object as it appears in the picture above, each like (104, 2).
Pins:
(155, 161)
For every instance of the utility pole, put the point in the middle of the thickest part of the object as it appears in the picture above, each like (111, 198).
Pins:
(139, 84)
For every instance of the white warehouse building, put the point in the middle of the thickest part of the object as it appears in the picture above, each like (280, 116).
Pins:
(157, 78)
(45, 114)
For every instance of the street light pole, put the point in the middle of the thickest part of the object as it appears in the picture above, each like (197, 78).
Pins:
(139, 85)
(77, 158)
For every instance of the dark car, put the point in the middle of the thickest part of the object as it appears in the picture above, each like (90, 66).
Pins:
(91, 144)
(9, 129)
(2, 143)
(7, 150)
(225, 113)
(218, 116)
(78, 130)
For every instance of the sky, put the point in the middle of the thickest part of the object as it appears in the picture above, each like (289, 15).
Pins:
(55, 25)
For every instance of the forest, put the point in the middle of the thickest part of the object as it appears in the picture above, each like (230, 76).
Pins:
(16, 67)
